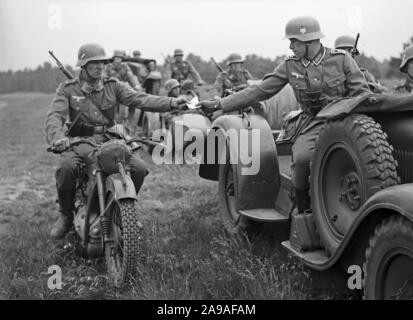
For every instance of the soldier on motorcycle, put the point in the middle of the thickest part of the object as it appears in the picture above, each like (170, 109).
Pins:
(235, 75)
(318, 76)
(89, 102)
(181, 69)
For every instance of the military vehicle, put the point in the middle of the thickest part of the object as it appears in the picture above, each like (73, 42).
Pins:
(361, 190)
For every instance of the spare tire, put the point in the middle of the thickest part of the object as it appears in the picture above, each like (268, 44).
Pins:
(352, 161)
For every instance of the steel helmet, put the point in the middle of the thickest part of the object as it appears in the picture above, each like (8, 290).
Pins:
(119, 53)
(171, 84)
(344, 42)
(136, 53)
(407, 55)
(234, 58)
(178, 52)
(304, 28)
(91, 52)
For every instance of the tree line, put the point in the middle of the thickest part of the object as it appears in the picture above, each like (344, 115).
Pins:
(46, 77)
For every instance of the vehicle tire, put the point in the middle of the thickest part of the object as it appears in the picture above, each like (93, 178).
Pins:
(234, 222)
(388, 268)
(123, 257)
(352, 161)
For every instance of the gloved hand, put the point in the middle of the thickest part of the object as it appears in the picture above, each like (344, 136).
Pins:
(210, 106)
(61, 145)
(179, 102)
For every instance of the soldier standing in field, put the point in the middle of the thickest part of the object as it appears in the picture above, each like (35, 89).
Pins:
(407, 68)
(181, 69)
(318, 76)
(234, 76)
(89, 102)
(347, 43)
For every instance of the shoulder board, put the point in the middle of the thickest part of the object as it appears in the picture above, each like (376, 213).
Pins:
(292, 58)
(69, 82)
(110, 79)
(338, 51)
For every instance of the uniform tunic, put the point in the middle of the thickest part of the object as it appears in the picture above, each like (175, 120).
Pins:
(229, 79)
(182, 70)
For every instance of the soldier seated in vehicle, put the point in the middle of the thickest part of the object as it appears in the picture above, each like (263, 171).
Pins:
(89, 102)
(318, 76)
(181, 69)
(234, 76)
(347, 43)
(406, 67)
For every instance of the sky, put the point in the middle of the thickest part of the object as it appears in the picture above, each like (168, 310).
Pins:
(209, 28)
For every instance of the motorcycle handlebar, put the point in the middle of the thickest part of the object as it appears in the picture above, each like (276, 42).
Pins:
(73, 143)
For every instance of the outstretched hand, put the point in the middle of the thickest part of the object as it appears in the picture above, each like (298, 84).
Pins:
(209, 106)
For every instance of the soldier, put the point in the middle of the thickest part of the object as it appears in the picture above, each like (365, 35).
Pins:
(347, 43)
(172, 88)
(318, 76)
(136, 54)
(89, 102)
(181, 69)
(234, 76)
(122, 71)
(407, 68)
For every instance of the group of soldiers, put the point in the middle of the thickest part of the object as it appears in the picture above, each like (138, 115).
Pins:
(317, 74)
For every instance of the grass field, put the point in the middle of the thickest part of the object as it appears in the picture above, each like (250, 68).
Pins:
(188, 255)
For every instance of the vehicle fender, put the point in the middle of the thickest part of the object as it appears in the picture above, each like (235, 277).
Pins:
(254, 190)
(390, 201)
(114, 185)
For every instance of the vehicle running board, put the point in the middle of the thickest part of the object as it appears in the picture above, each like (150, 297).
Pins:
(264, 215)
(316, 257)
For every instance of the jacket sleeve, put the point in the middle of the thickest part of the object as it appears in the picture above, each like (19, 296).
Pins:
(194, 73)
(355, 80)
(56, 116)
(132, 79)
(146, 102)
(271, 84)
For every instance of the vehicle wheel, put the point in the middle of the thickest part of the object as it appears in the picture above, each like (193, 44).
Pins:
(352, 161)
(233, 222)
(388, 268)
(122, 258)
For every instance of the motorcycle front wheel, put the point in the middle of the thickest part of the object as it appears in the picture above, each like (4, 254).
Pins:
(123, 255)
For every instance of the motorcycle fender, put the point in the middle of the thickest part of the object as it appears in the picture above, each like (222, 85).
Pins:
(114, 184)
(253, 190)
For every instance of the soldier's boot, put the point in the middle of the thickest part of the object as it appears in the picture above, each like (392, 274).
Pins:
(302, 200)
(65, 219)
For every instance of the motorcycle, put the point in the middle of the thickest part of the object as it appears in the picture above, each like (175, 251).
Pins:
(106, 219)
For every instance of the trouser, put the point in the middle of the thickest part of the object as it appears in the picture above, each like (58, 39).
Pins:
(68, 171)
(303, 149)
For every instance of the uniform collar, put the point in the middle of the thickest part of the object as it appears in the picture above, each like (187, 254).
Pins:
(409, 82)
(318, 58)
(87, 86)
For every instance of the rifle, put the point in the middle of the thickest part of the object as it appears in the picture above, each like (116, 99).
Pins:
(166, 59)
(355, 51)
(61, 67)
(217, 65)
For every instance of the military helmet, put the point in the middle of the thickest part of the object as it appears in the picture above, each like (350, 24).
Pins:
(171, 84)
(119, 53)
(91, 52)
(178, 52)
(234, 58)
(407, 55)
(344, 42)
(136, 53)
(304, 28)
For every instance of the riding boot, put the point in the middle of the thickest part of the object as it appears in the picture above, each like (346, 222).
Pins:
(302, 200)
(65, 219)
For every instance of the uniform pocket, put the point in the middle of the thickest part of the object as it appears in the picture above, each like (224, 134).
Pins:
(336, 85)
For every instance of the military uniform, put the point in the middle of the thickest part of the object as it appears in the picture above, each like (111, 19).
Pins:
(405, 88)
(123, 73)
(330, 75)
(97, 105)
(374, 85)
(182, 70)
(230, 79)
